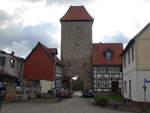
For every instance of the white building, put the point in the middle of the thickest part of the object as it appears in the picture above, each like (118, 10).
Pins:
(10, 67)
(136, 67)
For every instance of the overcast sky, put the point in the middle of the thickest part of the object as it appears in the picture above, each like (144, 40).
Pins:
(25, 22)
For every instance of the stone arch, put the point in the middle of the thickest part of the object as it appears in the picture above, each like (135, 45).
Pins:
(77, 83)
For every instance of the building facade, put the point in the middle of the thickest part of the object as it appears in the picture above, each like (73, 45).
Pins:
(107, 67)
(11, 67)
(76, 44)
(43, 69)
(136, 67)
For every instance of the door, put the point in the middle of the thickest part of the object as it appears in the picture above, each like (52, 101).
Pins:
(114, 86)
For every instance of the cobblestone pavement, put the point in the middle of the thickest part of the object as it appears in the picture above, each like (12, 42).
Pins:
(73, 105)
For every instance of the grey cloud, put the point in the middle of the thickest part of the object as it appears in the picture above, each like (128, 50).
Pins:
(49, 2)
(5, 18)
(30, 0)
(119, 37)
(22, 40)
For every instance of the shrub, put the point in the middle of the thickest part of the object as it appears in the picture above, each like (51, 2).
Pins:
(101, 100)
(146, 109)
(38, 95)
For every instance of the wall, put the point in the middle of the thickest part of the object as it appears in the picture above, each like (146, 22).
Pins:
(76, 50)
(129, 73)
(140, 83)
(140, 68)
(132, 66)
(110, 73)
(46, 85)
(39, 66)
(143, 54)
(14, 71)
(131, 76)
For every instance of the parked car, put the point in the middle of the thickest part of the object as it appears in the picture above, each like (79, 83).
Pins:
(88, 93)
(2, 92)
(70, 92)
(63, 93)
(2, 86)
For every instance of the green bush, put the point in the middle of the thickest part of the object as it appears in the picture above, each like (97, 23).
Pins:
(146, 109)
(101, 100)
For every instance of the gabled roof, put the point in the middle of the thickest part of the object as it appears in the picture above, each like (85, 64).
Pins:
(98, 57)
(48, 51)
(132, 41)
(77, 13)
(52, 51)
(2, 52)
(16, 57)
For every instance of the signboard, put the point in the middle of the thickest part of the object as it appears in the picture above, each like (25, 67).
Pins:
(146, 81)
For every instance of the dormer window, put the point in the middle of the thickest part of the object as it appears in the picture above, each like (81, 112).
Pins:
(108, 54)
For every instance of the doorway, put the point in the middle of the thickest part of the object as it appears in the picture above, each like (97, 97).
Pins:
(115, 86)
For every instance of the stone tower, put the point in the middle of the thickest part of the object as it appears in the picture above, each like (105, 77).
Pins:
(76, 44)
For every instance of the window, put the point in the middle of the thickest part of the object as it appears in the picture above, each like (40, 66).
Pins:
(132, 53)
(2, 61)
(129, 56)
(108, 54)
(12, 63)
(58, 83)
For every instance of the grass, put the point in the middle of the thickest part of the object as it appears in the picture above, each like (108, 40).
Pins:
(115, 98)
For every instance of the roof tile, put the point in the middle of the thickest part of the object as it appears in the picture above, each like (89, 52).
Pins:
(98, 53)
(77, 13)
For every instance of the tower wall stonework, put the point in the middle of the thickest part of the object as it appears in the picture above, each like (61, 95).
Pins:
(76, 50)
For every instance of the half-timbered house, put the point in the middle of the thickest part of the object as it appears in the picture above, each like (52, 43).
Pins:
(107, 70)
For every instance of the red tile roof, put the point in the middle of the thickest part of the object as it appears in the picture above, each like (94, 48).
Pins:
(100, 48)
(52, 50)
(48, 51)
(76, 13)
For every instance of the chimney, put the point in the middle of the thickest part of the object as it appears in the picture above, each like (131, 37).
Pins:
(12, 53)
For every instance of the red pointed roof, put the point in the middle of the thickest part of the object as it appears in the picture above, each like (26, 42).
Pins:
(77, 13)
(48, 51)
(52, 50)
(99, 57)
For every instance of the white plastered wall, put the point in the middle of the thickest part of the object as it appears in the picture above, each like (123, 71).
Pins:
(46, 85)
(140, 83)
(131, 76)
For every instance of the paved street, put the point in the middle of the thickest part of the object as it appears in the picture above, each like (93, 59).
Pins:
(73, 105)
